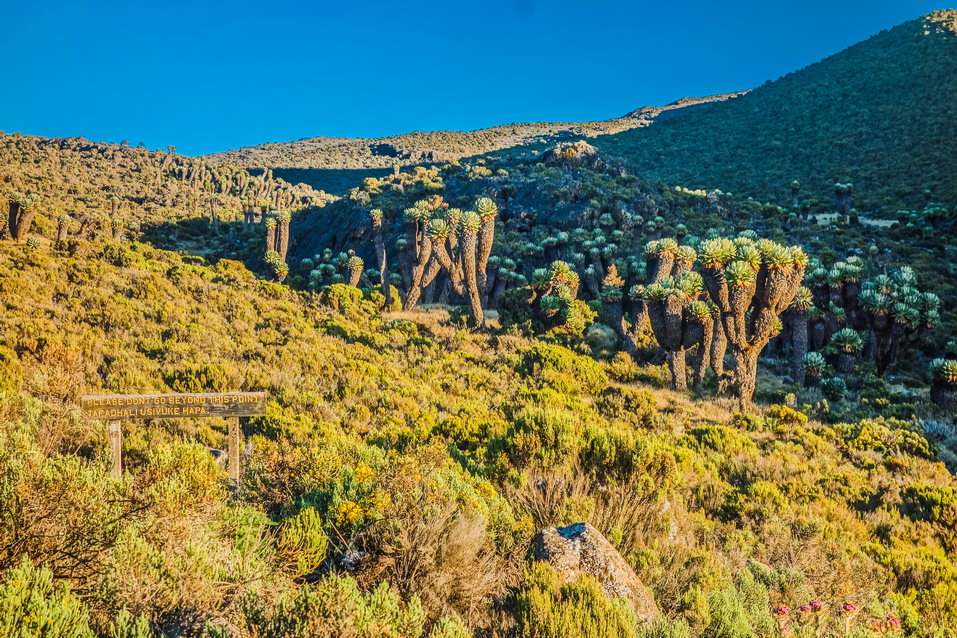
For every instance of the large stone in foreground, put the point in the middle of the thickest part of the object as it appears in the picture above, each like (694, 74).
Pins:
(581, 549)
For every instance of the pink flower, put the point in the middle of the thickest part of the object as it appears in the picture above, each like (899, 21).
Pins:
(782, 610)
(892, 621)
(816, 604)
(805, 608)
(849, 607)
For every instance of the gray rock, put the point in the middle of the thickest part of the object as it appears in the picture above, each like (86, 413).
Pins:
(581, 549)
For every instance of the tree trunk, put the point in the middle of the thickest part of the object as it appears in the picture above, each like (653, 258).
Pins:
(13, 217)
(418, 271)
(719, 348)
(944, 397)
(61, 232)
(845, 362)
(746, 376)
(282, 230)
(354, 275)
(471, 284)
(798, 345)
(704, 356)
(382, 260)
(500, 284)
(24, 222)
(677, 367)
(486, 238)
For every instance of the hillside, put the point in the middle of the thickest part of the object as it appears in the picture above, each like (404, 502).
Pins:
(880, 115)
(117, 186)
(319, 160)
(430, 455)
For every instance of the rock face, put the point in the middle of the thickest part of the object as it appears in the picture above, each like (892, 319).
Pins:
(581, 549)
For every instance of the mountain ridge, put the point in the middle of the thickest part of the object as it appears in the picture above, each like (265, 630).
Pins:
(405, 149)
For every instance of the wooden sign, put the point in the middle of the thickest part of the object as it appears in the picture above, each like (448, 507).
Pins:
(117, 407)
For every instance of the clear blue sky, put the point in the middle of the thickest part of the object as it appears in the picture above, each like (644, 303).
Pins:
(207, 76)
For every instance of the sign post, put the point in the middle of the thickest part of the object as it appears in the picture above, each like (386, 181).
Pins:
(118, 407)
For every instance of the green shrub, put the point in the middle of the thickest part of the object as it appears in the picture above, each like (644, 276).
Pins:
(541, 359)
(198, 377)
(11, 379)
(545, 608)
(729, 618)
(31, 606)
(886, 436)
(303, 539)
(628, 404)
(347, 299)
(336, 607)
(548, 435)
(931, 503)
(722, 439)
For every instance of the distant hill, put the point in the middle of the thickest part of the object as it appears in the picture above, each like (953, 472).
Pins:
(81, 178)
(319, 160)
(882, 114)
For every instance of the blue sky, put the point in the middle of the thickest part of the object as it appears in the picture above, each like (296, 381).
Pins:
(208, 76)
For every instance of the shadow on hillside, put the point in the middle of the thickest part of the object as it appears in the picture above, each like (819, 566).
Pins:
(336, 181)
(197, 236)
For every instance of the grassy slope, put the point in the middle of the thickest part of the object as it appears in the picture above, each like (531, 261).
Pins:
(879, 114)
(385, 427)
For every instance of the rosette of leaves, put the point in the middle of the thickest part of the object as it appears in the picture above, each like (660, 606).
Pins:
(943, 389)
(834, 388)
(814, 366)
(848, 344)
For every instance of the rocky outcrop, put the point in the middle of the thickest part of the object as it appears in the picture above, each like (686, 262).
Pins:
(581, 549)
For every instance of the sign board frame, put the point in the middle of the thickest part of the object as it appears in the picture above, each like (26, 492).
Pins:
(115, 408)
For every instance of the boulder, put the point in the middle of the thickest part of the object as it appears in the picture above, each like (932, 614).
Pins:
(581, 549)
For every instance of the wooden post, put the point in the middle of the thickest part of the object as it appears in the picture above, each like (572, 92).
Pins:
(116, 446)
(235, 437)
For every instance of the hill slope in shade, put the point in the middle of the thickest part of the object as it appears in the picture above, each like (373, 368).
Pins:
(880, 114)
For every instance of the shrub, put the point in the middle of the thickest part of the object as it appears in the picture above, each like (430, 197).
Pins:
(546, 608)
(11, 378)
(303, 540)
(544, 358)
(834, 388)
(31, 605)
(722, 439)
(346, 298)
(628, 404)
(336, 607)
(931, 503)
(548, 435)
(886, 436)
